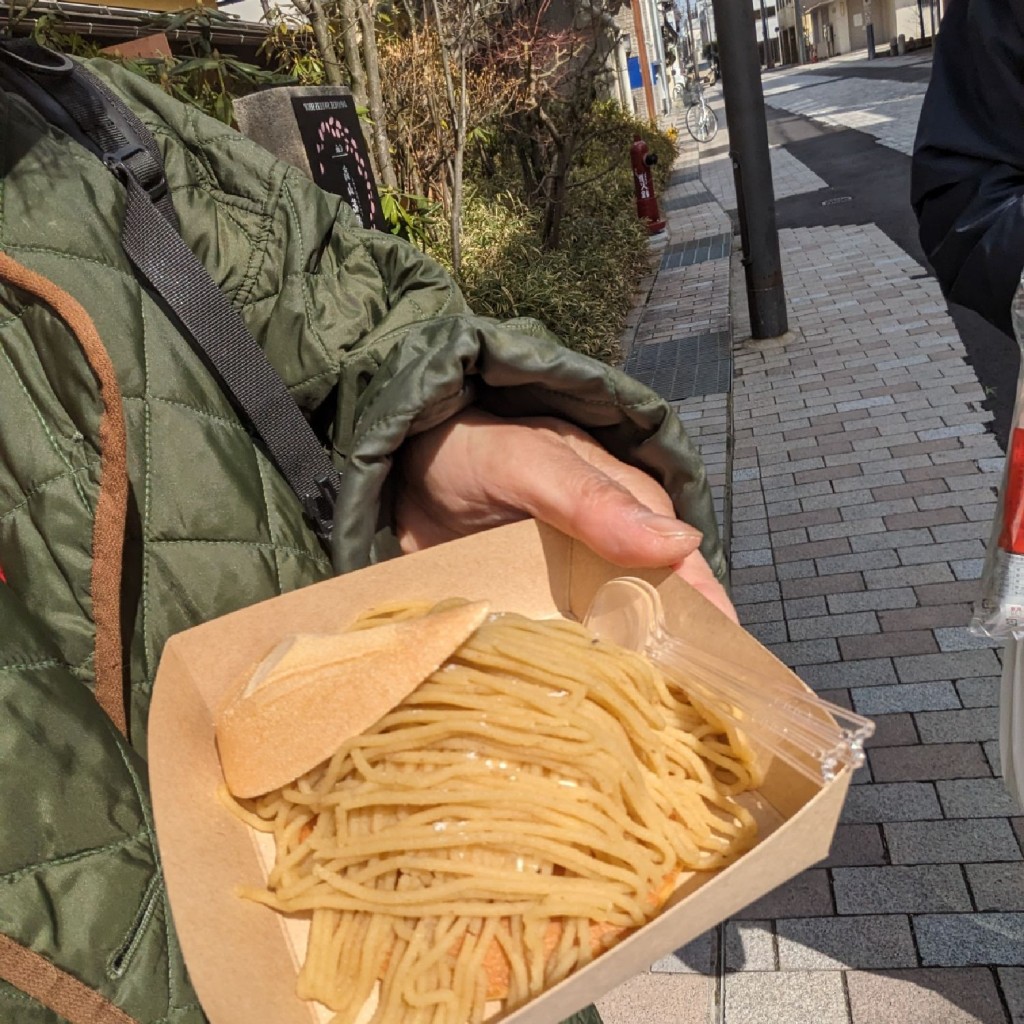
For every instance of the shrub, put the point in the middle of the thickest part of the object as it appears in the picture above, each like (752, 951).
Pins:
(581, 291)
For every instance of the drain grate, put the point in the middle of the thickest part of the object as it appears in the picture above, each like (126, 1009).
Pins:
(698, 250)
(682, 368)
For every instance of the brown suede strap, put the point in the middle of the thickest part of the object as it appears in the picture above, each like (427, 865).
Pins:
(112, 504)
(56, 989)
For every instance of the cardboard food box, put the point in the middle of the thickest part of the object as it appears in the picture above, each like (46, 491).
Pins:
(243, 958)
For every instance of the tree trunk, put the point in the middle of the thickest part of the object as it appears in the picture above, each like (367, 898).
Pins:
(457, 166)
(353, 56)
(375, 99)
(557, 189)
(458, 127)
(313, 11)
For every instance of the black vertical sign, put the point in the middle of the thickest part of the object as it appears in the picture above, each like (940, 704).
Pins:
(337, 154)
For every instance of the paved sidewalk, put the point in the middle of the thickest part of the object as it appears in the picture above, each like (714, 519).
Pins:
(855, 480)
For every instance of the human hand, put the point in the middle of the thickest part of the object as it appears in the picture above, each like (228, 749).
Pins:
(478, 471)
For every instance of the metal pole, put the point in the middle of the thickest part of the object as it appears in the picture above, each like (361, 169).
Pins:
(869, 29)
(689, 38)
(645, 64)
(764, 37)
(748, 145)
(798, 13)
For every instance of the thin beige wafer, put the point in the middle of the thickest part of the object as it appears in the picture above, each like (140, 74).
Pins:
(314, 692)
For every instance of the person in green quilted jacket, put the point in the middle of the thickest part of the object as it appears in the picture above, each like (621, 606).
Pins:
(134, 503)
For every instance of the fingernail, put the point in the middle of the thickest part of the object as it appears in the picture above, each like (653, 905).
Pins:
(666, 526)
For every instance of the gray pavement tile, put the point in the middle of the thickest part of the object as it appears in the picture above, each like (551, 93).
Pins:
(871, 600)
(832, 943)
(908, 576)
(958, 726)
(813, 587)
(960, 638)
(755, 593)
(925, 617)
(896, 539)
(960, 940)
(901, 890)
(891, 801)
(950, 842)
(869, 672)
(754, 574)
(852, 624)
(796, 570)
(750, 946)
(965, 995)
(696, 957)
(766, 611)
(952, 551)
(873, 527)
(1012, 981)
(962, 531)
(960, 665)
(982, 692)
(806, 652)
(856, 845)
(772, 998)
(967, 568)
(893, 731)
(888, 645)
(928, 762)
(805, 607)
(991, 748)
(807, 895)
(905, 697)
(768, 632)
(976, 798)
(659, 998)
(746, 559)
(997, 886)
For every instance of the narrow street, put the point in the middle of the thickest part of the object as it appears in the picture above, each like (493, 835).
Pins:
(854, 463)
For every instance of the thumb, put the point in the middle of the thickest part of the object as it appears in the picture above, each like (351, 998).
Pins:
(582, 501)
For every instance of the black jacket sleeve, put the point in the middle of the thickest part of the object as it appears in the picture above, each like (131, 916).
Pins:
(967, 183)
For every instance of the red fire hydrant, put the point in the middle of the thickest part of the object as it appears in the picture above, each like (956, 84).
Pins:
(646, 204)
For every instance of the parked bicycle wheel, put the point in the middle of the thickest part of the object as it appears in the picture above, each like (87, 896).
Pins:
(702, 123)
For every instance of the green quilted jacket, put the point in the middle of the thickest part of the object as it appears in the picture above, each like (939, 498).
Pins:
(374, 341)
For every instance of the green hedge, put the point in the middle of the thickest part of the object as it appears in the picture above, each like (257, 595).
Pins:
(583, 290)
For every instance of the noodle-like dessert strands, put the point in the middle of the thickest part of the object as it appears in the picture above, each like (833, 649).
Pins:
(532, 802)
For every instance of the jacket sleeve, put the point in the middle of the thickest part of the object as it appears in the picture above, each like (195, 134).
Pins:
(365, 326)
(968, 166)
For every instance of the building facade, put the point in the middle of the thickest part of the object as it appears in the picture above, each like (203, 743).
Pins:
(834, 27)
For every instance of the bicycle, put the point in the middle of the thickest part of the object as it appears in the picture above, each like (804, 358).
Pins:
(701, 121)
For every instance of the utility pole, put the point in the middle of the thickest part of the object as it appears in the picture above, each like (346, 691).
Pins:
(752, 169)
(869, 29)
(798, 13)
(768, 62)
(645, 64)
(689, 38)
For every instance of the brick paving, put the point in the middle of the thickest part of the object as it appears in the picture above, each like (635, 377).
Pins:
(855, 480)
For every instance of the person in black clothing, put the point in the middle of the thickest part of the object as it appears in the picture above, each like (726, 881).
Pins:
(967, 189)
(967, 183)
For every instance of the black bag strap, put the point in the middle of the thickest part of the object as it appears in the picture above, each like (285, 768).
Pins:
(75, 101)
